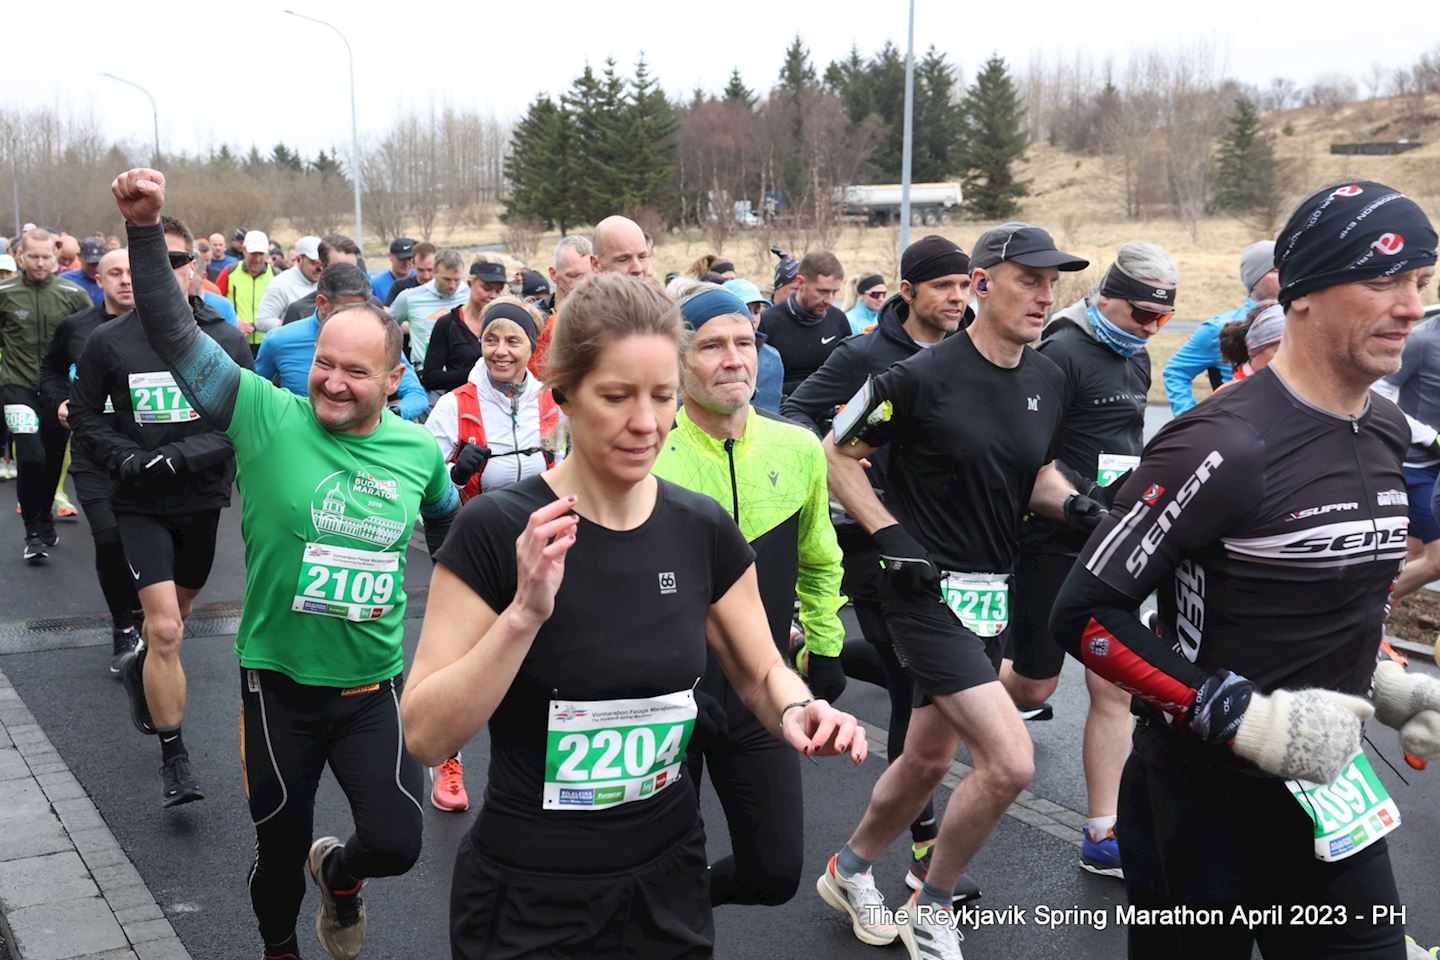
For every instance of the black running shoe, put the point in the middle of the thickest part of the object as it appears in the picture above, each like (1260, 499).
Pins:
(132, 676)
(121, 643)
(47, 532)
(177, 783)
(1034, 714)
(35, 554)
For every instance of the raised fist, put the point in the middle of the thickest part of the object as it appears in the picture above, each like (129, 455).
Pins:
(140, 193)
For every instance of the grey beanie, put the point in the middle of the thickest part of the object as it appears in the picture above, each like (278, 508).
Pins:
(1257, 260)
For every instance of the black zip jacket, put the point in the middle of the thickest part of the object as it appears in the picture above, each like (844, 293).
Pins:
(65, 348)
(203, 456)
(452, 354)
(804, 341)
(1106, 415)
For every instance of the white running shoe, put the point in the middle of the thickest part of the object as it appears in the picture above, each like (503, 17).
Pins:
(858, 899)
(926, 934)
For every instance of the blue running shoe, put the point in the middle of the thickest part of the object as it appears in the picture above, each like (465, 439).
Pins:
(1101, 856)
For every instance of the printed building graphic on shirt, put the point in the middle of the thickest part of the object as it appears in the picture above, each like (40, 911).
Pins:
(362, 505)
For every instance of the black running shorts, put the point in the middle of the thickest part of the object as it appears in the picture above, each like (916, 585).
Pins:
(936, 649)
(660, 909)
(179, 547)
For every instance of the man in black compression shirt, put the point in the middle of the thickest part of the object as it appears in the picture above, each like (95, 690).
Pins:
(975, 420)
(1271, 522)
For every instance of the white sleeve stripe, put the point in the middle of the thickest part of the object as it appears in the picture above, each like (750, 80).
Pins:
(1111, 543)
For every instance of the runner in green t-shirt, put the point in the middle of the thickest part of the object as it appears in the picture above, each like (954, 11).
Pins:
(332, 486)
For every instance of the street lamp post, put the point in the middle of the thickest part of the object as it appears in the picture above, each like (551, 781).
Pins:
(154, 113)
(354, 126)
(908, 134)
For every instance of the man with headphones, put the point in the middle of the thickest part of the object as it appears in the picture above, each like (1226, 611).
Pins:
(976, 420)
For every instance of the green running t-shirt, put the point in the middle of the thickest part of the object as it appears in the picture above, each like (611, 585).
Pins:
(327, 518)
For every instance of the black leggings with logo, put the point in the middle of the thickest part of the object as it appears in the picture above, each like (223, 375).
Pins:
(288, 733)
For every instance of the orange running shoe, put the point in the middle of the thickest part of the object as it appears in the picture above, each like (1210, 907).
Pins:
(448, 792)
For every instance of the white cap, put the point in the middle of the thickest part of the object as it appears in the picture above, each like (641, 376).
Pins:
(256, 242)
(308, 247)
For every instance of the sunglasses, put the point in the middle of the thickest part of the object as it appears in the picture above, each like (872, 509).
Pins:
(1144, 317)
(178, 259)
(877, 294)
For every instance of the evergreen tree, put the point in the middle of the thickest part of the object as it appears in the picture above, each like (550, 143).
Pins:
(847, 79)
(325, 164)
(649, 126)
(737, 92)
(1245, 169)
(284, 158)
(598, 171)
(797, 74)
(254, 163)
(992, 139)
(538, 166)
(936, 146)
(223, 156)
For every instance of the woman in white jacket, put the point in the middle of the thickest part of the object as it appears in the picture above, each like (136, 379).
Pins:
(502, 425)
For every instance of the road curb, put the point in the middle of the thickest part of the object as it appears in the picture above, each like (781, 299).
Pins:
(67, 889)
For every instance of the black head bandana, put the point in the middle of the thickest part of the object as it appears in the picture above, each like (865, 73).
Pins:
(1122, 286)
(516, 314)
(1350, 233)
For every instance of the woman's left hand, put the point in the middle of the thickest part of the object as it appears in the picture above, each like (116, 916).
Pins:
(818, 729)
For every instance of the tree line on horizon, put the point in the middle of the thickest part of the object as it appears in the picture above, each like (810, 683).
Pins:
(1187, 142)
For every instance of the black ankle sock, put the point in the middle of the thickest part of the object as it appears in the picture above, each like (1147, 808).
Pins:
(286, 948)
(171, 744)
(336, 879)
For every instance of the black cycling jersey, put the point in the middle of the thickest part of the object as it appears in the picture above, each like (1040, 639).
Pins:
(1106, 414)
(152, 412)
(804, 341)
(629, 622)
(972, 437)
(1271, 531)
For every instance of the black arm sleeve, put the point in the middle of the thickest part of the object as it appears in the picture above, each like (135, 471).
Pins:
(203, 371)
(437, 374)
(436, 530)
(812, 402)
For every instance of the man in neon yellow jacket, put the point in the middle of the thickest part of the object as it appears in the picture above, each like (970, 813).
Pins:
(770, 476)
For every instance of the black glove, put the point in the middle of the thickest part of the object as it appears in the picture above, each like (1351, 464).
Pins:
(825, 676)
(1083, 514)
(147, 468)
(908, 567)
(712, 726)
(469, 460)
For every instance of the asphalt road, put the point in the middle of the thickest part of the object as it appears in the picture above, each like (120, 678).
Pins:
(195, 858)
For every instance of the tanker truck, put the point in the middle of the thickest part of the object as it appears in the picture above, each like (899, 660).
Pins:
(879, 203)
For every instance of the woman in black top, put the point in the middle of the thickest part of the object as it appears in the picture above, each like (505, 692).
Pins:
(454, 347)
(583, 847)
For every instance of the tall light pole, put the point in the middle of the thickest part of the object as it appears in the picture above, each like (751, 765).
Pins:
(354, 126)
(907, 135)
(154, 113)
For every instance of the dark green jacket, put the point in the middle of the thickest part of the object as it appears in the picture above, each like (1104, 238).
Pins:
(29, 314)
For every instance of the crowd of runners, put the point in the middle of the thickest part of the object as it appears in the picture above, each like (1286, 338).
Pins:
(647, 504)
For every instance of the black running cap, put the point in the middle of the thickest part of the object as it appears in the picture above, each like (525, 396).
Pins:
(1025, 244)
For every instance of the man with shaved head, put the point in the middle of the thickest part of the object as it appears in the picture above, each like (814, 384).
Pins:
(620, 247)
(334, 484)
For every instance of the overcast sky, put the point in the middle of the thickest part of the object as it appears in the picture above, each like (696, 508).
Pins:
(244, 72)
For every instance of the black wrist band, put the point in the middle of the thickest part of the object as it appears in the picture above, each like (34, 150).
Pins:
(797, 703)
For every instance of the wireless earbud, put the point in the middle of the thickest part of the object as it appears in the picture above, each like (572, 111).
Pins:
(980, 285)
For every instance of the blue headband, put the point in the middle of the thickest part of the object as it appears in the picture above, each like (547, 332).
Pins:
(711, 304)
